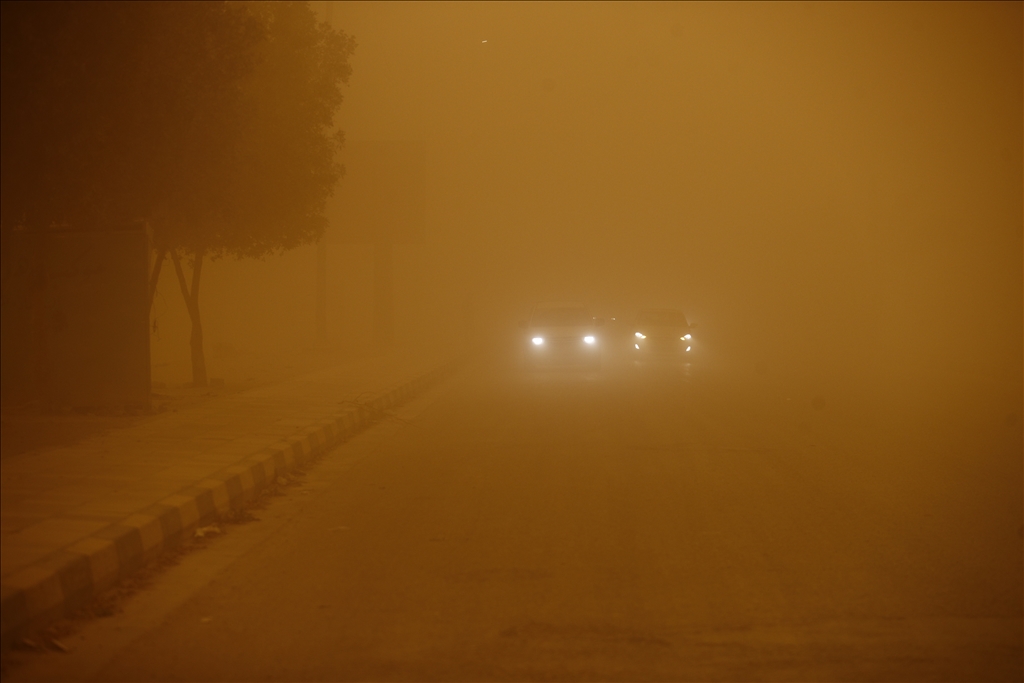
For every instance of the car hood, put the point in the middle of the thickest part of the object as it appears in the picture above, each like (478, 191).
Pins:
(663, 331)
(561, 330)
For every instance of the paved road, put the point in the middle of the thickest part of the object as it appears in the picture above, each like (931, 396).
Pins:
(630, 524)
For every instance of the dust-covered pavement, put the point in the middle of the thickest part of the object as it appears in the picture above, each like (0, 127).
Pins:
(78, 517)
(644, 524)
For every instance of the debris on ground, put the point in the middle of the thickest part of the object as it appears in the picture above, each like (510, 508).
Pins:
(239, 516)
(208, 530)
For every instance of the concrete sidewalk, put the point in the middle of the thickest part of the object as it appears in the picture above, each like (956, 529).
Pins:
(74, 520)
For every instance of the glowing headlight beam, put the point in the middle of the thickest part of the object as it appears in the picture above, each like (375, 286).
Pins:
(687, 348)
(537, 341)
(640, 335)
(589, 339)
(685, 337)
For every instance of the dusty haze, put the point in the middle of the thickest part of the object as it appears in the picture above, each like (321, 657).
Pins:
(831, 192)
(823, 188)
(830, 487)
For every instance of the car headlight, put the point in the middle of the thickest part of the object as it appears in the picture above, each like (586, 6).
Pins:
(687, 348)
(685, 337)
(641, 336)
(589, 339)
(537, 341)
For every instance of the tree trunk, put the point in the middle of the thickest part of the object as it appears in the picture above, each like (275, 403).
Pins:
(192, 303)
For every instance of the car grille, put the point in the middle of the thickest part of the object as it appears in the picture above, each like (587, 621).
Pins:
(664, 345)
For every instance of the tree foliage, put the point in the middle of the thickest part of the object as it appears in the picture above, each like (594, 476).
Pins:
(289, 151)
(211, 120)
(112, 109)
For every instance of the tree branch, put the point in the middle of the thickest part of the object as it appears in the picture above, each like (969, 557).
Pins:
(154, 277)
(181, 277)
(197, 269)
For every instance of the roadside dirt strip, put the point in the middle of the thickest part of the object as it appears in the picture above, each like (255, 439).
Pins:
(69, 579)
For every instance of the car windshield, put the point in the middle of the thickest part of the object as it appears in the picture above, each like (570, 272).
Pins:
(663, 317)
(560, 316)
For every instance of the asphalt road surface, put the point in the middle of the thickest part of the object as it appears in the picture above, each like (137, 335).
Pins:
(658, 523)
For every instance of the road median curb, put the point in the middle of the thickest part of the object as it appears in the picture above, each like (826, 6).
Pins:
(69, 579)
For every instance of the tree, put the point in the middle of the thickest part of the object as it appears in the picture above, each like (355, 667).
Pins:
(284, 165)
(111, 110)
(212, 121)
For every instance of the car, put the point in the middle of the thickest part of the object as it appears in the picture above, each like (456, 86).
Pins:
(562, 334)
(662, 334)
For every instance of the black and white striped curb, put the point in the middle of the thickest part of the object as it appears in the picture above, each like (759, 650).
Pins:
(69, 579)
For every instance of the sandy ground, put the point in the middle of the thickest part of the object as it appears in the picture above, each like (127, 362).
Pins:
(632, 524)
